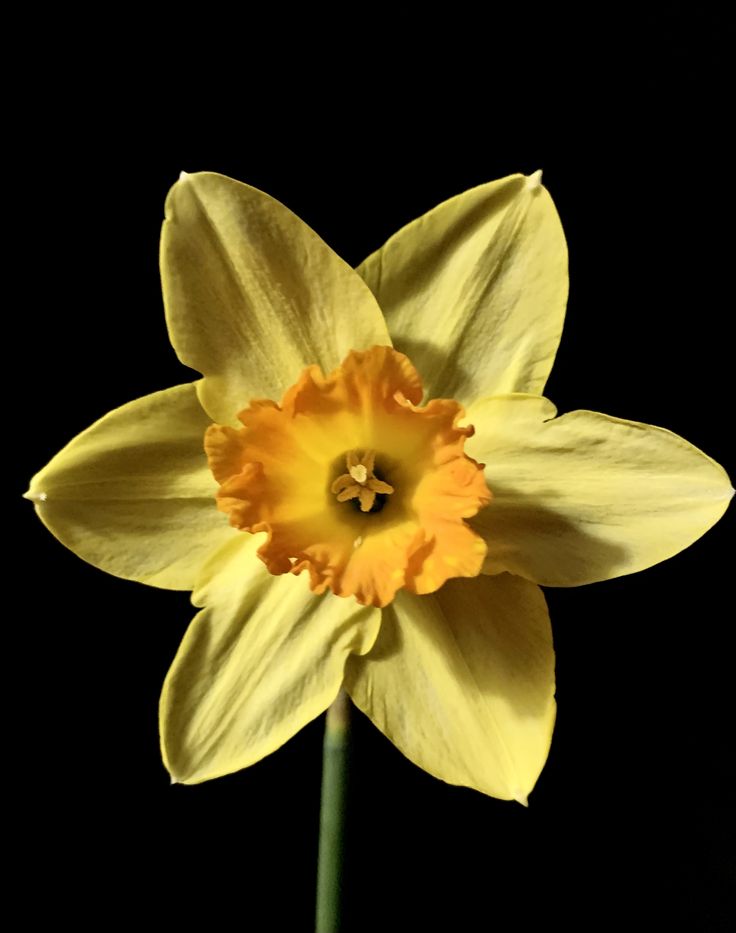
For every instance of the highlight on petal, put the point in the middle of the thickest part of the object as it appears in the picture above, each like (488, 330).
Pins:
(475, 290)
(586, 497)
(353, 482)
(253, 295)
(462, 682)
(263, 658)
(133, 494)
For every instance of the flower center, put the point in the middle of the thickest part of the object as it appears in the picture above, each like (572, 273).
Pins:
(313, 473)
(361, 484)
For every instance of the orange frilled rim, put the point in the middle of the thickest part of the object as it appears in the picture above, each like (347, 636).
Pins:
(288, 473)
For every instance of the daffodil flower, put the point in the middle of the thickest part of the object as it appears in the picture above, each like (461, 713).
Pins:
(384, 487)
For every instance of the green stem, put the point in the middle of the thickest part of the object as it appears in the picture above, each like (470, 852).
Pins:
(332, 814)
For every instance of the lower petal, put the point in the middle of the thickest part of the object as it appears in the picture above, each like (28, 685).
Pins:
(587, 497)
(462, 682)
(261, 660)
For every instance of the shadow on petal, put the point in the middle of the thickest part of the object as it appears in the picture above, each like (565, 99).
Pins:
(430, 360)
(544, 546)
(462, 682)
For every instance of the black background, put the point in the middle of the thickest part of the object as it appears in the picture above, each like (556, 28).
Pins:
(632, 816)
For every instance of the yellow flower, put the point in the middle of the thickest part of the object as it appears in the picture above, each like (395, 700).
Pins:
(369, 540)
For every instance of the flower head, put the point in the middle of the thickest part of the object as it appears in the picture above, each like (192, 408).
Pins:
(366, 488)
(312, 473)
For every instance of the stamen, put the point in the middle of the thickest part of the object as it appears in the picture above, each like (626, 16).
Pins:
(360, 482)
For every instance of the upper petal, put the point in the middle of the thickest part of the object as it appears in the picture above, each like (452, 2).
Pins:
(253, 295)
(262, 659)
(462, 682)
(474, 292)
(133, 494)
(587, 497)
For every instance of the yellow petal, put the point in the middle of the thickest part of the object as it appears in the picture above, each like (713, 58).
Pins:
(587, 497)
(474, 292)
(133, 494)
(261, 660)
(462, 682)
(253, 295)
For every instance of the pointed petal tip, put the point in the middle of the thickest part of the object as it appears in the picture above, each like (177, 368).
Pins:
(172, 780)
(534, 181)
(522, 799)
(35, 496)
(183, 176)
